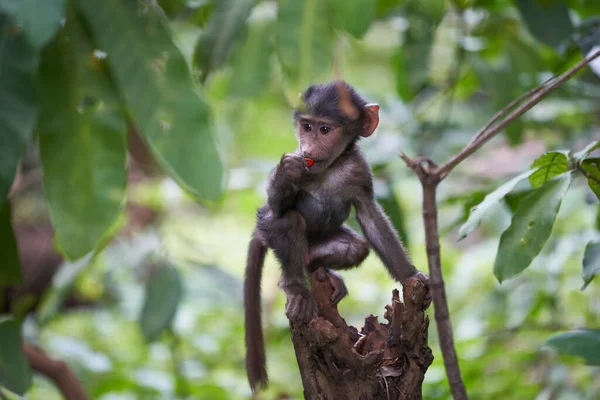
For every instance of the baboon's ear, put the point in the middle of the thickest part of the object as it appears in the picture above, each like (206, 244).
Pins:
(371, 119)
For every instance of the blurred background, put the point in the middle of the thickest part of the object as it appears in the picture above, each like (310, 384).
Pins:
(134, 275)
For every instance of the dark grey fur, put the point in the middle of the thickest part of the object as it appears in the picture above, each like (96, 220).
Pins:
(305, 215)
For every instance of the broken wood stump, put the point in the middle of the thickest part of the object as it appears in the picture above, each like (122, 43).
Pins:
(382, 361)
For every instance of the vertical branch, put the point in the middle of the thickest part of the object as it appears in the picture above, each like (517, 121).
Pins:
(431, 175)
(438, 291)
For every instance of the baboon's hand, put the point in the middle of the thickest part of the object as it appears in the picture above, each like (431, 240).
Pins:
(300, 306)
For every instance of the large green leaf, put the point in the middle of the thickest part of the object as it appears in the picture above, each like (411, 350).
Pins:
(354, 17)
(15, 373)
(226, 24)
(39, 19)
(548, 166)
(152, 74)
(513, 199)
(304, 39)
(530, 227)
(548, 20)
(491, 200)
(84, 178)
(10, 273)
(163, 294)
(584, 343)
(83, 152)
(19, 60)
(251, 64)
(591, 263)
(592, 167)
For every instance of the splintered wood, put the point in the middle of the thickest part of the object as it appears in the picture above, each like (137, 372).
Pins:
(382, 361)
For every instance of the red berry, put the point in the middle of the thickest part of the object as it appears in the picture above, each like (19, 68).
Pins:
(310, 161)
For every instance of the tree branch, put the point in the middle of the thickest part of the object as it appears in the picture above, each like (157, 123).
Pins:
(535, 96)
(430, 176)
(56, 370)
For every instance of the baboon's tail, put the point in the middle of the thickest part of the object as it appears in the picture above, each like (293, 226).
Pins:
(256, 367)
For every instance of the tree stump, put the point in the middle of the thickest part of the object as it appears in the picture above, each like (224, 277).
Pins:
(382, 361)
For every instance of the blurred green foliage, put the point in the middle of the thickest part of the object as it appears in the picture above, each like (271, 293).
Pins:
(209, 85)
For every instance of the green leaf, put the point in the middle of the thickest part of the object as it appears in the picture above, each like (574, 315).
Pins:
(19, 61)
(83, 153)
(491, 200)
(591, 263)
(403, 82)
(584, 343)
(304, 39)
(251, 64)
(548, 21)
(354, 17)
(384, 7)
(530, 228)
(15, 373)
(592, 167)
(10, 273)
(548, 166)
(89, 153)
(466, 201)
(163, 294)
(39, 19)
(513, 199)
(153, 76)
(580, 155)
(225, 26)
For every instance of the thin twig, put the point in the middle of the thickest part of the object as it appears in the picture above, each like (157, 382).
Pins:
(486, 134)
(509, 107)
(56, 370)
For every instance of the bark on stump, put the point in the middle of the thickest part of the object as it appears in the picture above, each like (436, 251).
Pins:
(383, 361)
